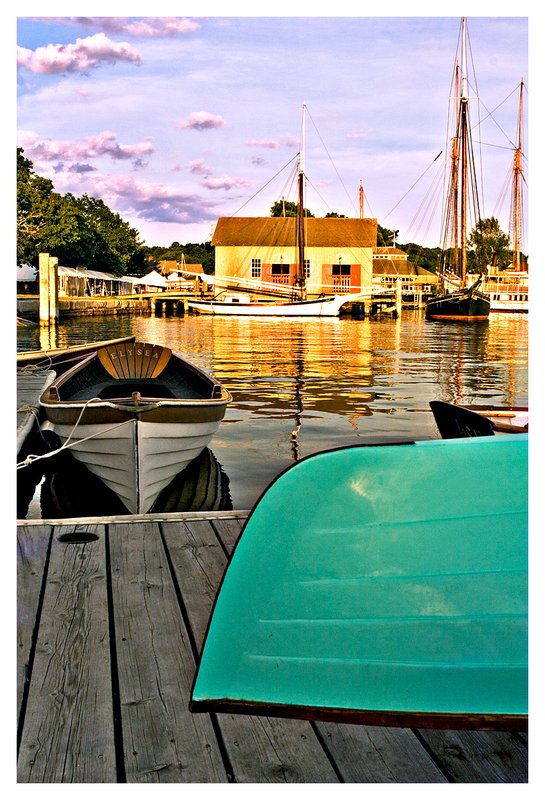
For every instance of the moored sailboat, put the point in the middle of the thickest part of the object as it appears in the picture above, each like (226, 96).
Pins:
(298, 305)
(458, 298)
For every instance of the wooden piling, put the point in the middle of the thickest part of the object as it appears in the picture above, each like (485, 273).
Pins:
(49, 291)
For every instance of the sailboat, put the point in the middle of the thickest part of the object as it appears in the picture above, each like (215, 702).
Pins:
(299, 306)
(508, 289)
(457, 298)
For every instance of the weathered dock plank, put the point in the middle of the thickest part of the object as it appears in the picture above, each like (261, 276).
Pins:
(480, 756)
(32, 552)
(368, 754)
(68, 727)
(163, 741)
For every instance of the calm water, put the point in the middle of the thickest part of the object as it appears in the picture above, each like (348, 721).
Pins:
(300, 386)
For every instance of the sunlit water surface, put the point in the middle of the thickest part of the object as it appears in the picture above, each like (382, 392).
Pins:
(304, 385)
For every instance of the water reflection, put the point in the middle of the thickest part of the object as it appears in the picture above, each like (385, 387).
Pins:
(300, 386)
(69, 489)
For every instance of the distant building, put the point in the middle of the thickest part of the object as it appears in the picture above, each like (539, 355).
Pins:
(338, 252)
(74, 282)
(391, 264)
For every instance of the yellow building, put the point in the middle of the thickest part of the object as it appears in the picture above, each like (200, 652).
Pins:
(338, 253)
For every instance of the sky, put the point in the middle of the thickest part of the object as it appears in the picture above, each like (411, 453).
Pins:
(174, 121)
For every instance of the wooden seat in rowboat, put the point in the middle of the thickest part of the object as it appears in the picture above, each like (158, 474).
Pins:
(134, 360)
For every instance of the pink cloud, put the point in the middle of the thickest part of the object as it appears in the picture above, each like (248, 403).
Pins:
(274, 144)
(226, 183)
(82, 56)
(202, 121)
(153, 202)
(199, 168)
(145, 28)
(102, 144)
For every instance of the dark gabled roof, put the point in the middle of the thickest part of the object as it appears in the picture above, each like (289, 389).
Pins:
(280, 232)
(390, 251)
(398, 266)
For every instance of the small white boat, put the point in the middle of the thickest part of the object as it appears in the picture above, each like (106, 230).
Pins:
(136, 414)
(234, 306)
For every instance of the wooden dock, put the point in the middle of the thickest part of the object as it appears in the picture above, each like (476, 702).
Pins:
(112, 613)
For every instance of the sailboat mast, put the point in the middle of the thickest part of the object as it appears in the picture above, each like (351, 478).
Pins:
(464, 157)
(301, 213)
(517, 188)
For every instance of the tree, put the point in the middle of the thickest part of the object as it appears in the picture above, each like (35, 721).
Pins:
(487, 245)
(116, 245)
(386, 237)
(80, 232)
(420, 256)
(287, 208)
(334, 214)
(33, 196)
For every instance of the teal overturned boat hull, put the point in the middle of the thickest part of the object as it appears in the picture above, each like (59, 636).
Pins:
(380, 585)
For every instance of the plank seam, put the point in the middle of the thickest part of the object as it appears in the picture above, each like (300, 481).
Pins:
(433, 755)
(196, 655)
(33, 645)
(119, 748)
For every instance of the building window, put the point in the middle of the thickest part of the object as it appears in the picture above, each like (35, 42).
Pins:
(341, 276)
(280, 273)
(256, 268)
(306, 267)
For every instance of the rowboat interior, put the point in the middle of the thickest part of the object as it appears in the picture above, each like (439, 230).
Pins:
(131, 373)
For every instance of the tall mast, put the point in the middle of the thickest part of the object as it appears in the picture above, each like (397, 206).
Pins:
(516, 211)
(301, 213)
(361, 200)
(464, 156)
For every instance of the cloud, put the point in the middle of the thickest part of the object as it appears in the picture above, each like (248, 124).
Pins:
(153, 202)
(202, 121)
(274, 144)
(199, 168)
(82, 56)
(357, 135)
(151, 27)
(102, 144)
(226, 183)
(77, 169)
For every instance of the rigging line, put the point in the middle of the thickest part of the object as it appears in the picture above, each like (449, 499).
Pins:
(324, 201)
(264, 186)
(431, 199)
(490, 114)
(412, 187)
(329, 156)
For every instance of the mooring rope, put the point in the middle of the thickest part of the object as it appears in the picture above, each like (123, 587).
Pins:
(31, 458)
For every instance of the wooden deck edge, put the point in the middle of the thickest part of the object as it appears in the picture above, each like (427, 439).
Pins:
(26, 427)
(175, 516)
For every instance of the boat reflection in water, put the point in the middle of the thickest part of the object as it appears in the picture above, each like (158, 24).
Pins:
(70, 490)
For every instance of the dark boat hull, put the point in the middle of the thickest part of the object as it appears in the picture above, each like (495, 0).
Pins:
(467, 304)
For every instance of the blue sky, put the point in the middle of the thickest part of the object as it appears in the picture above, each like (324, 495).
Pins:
(175, 121)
